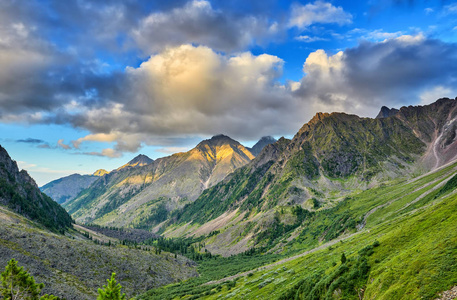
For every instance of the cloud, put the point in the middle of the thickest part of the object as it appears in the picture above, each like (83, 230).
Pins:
(428, 10)
(318, 12)
(199, 23)
(61, 144)
(30, 141)
(394, 72)
(192, 91)
(450, 9)
(310, 39)
(108, 152)
(431, 95)
(25, 165)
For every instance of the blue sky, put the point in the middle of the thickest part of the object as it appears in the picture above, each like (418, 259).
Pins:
(90, 84)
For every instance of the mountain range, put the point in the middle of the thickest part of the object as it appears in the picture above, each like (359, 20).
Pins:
(330, 157)
(143, 192)
(349, 208)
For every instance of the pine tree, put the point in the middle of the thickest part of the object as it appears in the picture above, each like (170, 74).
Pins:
(111, 291)
(17, 284)
(343, 258)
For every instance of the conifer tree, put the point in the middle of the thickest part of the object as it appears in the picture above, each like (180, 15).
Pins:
(17, 284)
(111, 291)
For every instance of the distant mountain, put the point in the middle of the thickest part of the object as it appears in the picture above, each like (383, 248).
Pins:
(329, 157)
(266, 140)
(19, 192)
(67, 188)
(144, 195)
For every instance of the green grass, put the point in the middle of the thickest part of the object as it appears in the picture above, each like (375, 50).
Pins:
(416, 257)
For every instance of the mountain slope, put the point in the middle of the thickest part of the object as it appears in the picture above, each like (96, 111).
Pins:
(67, 188)
(143, 196)
(399, 241)
(74, 267)
(330, 156)
(19, 192)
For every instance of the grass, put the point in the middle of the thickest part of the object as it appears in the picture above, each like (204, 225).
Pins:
(416, 257)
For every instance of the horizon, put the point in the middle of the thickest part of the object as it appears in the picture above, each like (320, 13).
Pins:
(87, 84)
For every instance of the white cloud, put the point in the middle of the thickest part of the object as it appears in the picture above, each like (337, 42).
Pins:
(189, 90)
(451, 8)
(318, 12)
(431, 95)
(310, 39)
(428, 10)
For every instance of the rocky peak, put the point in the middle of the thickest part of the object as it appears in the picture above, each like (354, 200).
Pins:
(138, 161)
(386, 112)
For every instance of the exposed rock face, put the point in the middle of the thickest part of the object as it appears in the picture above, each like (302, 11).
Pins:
(136, 195)
(258, 147)
(386, 112)
(19, 192)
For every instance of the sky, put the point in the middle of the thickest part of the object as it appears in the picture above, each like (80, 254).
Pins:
(86, 84)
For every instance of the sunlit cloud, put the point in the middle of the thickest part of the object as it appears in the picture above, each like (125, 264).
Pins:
(318, 12)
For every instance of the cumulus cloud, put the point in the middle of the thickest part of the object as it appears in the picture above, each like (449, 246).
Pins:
(318, 12)
(188, 91)
(393, 72)
(199, 23)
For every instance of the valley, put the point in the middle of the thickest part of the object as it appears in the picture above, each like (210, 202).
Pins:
(348, 208)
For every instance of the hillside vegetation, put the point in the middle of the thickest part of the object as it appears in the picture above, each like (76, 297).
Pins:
(402, 244)
(19, 192)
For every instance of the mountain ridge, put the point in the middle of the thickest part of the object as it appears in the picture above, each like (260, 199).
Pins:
(166, 183)
(329, 157)
(19, 192)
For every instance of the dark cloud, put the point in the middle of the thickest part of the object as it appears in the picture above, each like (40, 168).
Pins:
(30, 141)
(394, 72)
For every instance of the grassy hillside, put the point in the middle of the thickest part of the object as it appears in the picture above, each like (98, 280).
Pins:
(399, 241)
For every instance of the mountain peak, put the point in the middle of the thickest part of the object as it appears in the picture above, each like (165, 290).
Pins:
(386, 112)
(138, 161)
(100, 172)
(218, 140)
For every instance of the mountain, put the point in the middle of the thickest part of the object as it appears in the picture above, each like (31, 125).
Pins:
(266, 140)
(67, 188)
(143, 196)
(330, 157)
(19, 192)
(138, 161)
(393, 241)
